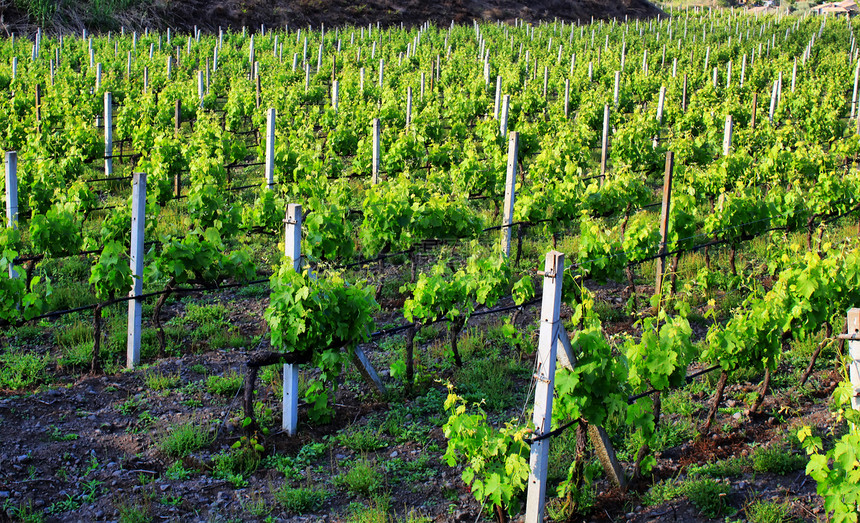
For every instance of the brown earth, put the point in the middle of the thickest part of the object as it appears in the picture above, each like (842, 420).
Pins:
(185, 14)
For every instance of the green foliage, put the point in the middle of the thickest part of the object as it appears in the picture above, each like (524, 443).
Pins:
(837, 471)
(363, 439)
(317, 317)
(496, 459)
(111, 275)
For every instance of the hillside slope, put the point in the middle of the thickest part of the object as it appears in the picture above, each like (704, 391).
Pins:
(185, 14)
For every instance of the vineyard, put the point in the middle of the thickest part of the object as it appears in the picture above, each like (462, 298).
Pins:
(386, 274)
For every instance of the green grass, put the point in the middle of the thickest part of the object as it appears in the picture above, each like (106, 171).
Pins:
(181, 440)
(707, 495)
(161, 381)
(362, 478)
(768, 512)
(362, 439)
(726, 468)
(226, 385)
(19, 370)
(490, 381)
(301, 500)
(777, 460)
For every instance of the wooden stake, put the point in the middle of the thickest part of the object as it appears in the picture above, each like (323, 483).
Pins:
(664, 221)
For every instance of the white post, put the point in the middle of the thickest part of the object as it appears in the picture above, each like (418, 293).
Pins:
(381, 72)
(510, 193)
(108, 135)
(201, 87)
(503, 125)
(550, 328)
(12, 197)
(376, 156)
(794, 75)
(854, 96)
(293, 251)
(270, 148)
(604, 144)
(98, 76)
(743, 70)
(408, 107)
(727, 135)
(335, 93)
(566, 98)
(773, 103)
(498, 97)
(617, 88)
(135, 307)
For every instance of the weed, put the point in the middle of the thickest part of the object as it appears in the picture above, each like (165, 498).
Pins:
(726, 468)
(777, 460)
(181, 440)
(134, 513)
(177, 471)
(76, 356)
(768, 512)
(257, 506)
(240, 461)
(376, 512)
(161, 381)
(132, 405)
(198, 368)
(227, 385)
(55, 434)
(490, 381)
(20, 370)
(708, 495)
(301, 500)
(362, 439)
(361, 478)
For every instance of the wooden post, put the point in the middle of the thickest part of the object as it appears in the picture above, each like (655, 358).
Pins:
(108, 134)
(604, 144)
(270, 148)
(135, 307)
(510, 193)
(664, 221)
(503, 124)
(550, 327)
(293, 251)
(727, 135)
(11, 168)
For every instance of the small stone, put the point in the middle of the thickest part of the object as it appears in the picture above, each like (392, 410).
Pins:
(39, 503)
(394, 454)
(736, 415)
(4, 494)
(99, 514)
(164, 487)
(339, 456)
(22, 458)
(731, 403)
